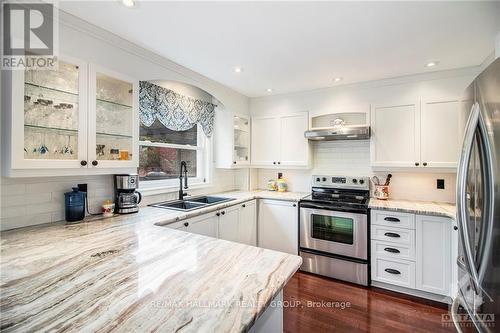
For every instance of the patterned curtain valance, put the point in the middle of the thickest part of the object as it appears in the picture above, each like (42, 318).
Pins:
(175, 111)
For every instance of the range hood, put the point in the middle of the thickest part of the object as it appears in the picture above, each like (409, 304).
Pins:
(353, 132)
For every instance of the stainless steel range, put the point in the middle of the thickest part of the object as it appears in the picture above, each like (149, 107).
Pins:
(334, 228)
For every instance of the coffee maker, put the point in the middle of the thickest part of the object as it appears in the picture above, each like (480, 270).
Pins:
(127, 199)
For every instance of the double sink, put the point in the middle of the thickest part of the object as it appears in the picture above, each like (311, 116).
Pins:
(191, 203)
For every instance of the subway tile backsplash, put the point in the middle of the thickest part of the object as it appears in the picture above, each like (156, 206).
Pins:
(30, 201)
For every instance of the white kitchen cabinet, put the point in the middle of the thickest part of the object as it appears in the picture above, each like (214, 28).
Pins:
(416, 135)
(279, 141)
(247, 227)
(278, 226)
(205, 225)
(294, 148)
(412, 251)
(229, 220)
(265, 141)
(239, 223)
(231, 139)
(395, 138)
(68, 125)
(433, 251)
(440, 133)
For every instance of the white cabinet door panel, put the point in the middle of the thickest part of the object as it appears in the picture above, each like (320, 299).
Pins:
(433, 249)
(395, 135)
(247, 228)
(278, 226)
(293, 144)
(203, 225)
(265, 140)
(440, 138)
(228, 223)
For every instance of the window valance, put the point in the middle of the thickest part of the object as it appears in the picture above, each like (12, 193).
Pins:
(175, 111)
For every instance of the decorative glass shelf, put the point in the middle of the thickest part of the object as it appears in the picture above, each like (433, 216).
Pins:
(50, 89)
(69, 130)
(102, 101)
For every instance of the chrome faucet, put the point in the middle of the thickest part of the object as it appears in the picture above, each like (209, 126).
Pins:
(181, 192)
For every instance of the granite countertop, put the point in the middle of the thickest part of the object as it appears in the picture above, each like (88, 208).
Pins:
(416, 207)
(127, 274)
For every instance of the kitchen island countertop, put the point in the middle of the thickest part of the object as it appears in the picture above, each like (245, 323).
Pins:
(127, 274)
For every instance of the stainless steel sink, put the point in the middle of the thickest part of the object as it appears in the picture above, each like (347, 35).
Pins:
(191, 203)
(208, 200)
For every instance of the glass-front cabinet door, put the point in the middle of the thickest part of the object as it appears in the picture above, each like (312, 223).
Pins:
(241, 152)
(113, 136)
(49, 114)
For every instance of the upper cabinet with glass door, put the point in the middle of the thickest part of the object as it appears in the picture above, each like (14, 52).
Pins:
(241, 151)
(113, 141)
(232, 139)
(52, 121)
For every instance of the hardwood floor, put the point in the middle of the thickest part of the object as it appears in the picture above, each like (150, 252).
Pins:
(369, 309)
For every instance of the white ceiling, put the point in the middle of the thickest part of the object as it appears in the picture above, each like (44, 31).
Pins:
(294, 46)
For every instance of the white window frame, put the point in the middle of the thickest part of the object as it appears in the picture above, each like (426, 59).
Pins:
(203, 166)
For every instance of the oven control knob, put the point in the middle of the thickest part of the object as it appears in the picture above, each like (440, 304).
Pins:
(324, 179)
(361, 181)
(354, 180)
(317, 179)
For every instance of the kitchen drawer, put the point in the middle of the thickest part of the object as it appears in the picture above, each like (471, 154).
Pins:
(393, 219)
(393, 271)
(392, 251)
(393, 235)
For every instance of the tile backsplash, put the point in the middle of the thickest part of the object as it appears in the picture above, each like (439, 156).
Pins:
(30, 201)
(352, 158)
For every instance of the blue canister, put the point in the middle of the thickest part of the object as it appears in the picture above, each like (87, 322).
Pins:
(74, 203)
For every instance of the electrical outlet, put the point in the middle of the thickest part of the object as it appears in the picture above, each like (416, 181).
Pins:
(82, 187)
(440, 184)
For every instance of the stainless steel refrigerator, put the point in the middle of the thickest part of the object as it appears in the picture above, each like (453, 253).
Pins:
(477, 305)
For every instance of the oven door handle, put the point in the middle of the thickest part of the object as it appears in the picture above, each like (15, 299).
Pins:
(315, 206)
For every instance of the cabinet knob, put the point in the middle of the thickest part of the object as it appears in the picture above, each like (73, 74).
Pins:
(425, 163)
(294, 205)
(186, 224)
(455, 227)
(274, 162)
(83, 163)
(217, 214)
(243, 205)
(94, 163)
(234, 162)
(223, 212)
(417, 164)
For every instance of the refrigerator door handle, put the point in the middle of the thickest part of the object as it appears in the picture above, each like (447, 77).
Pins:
(454, 313)
(488, 219)
(472, 125)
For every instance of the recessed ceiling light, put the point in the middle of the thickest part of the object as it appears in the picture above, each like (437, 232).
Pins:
(432, 63)
(128, 3)
(238, 69)
(337, 79)
(269, 90)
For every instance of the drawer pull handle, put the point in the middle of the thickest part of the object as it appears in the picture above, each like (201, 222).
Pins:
(392, 271)
(391, 250)
(392, 219)
(392, 234)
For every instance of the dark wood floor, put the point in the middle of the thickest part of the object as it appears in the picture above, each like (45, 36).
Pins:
(371, 309)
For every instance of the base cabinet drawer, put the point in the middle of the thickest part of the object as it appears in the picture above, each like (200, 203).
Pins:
(389, 250)
(397, 272)
(393, 219)
(393, 235)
